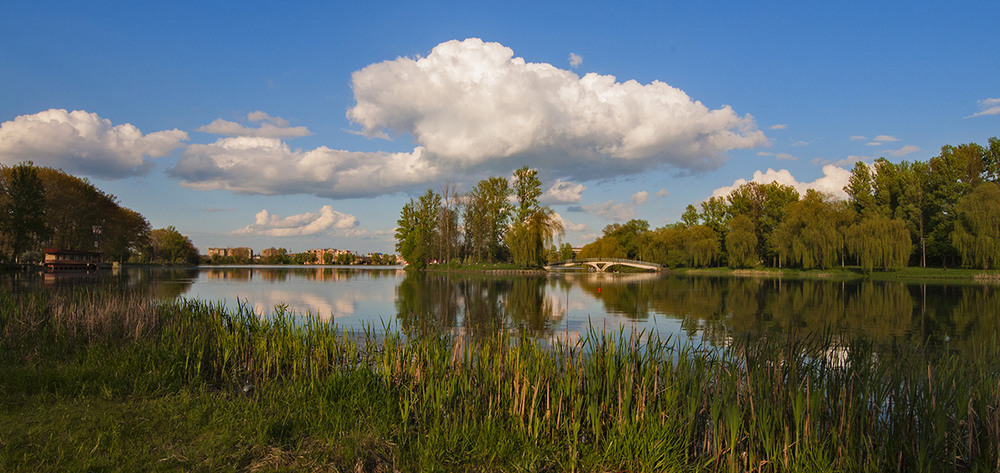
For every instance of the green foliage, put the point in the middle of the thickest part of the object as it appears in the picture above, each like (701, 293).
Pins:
(741, 242)
(125, 384)
(167, 245)
(275, 256)
(860, 190)
(55, 209)
(23, 221)
(812, 234)
(486, 216)
(603, 247)
(878, 241)
(527, 189)
(627, 237)
(702, 245)
(977, 230)
(566, 251)
(304, 258)
(417, 230)
(764, 204)
(345, 258)
(527, 239)
(534, 226)
(690, 216)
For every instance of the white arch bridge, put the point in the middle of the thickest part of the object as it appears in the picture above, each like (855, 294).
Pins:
(601, 264)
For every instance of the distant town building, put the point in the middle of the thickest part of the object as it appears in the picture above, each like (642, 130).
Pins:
(234, 252)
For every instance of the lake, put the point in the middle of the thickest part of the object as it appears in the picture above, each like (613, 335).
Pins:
(566, 305)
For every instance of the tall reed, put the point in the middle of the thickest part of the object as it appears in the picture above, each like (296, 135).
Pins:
(624, 401)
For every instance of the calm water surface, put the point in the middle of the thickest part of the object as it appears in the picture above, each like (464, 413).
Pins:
(568, 304)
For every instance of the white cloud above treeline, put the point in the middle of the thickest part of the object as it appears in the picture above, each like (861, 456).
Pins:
(471, 107)
(83, 143)
(253, 165)
(307, 223)
(473, 104)
(833, 181)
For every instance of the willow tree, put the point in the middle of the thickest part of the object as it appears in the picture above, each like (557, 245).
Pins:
(977, 229)
(741, 242)
(535, 226)
(879, 241)
(812, 235)
(528, 239)
(702, 245)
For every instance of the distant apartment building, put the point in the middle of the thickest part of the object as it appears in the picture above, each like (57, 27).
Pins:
(240, 251)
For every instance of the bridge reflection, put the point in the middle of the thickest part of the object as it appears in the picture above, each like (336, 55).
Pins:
(602, 264)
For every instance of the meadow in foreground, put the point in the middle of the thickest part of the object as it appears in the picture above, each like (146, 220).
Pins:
(96, 382)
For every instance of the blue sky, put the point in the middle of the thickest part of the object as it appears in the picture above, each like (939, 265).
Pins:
(303, 125)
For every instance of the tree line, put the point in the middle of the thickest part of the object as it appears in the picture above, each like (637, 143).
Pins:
(43, 207)
(274, 255)
(944, 212)
(499, 221)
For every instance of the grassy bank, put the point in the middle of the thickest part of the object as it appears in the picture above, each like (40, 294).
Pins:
(848, 273)
(119, 383)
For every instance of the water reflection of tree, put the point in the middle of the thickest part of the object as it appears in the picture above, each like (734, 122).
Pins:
(528, 307)
(283, 274)
(479, 305)
(483, 304)
(723, 308)
(426, 303)
(155, 283)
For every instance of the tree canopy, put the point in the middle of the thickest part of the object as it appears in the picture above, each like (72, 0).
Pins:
(46, 207)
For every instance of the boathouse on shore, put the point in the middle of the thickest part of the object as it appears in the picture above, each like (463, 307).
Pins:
(71, 260)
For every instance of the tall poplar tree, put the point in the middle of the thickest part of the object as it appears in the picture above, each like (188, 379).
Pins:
(487, 213)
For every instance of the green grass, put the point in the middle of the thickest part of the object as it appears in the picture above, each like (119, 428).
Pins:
(854, 272)
(97, 383)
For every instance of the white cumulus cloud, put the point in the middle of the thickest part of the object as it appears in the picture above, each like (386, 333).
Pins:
(299, 225)
(79, 142)
(254, 165)
(833, 181)
(474, 104)
(563, 192)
